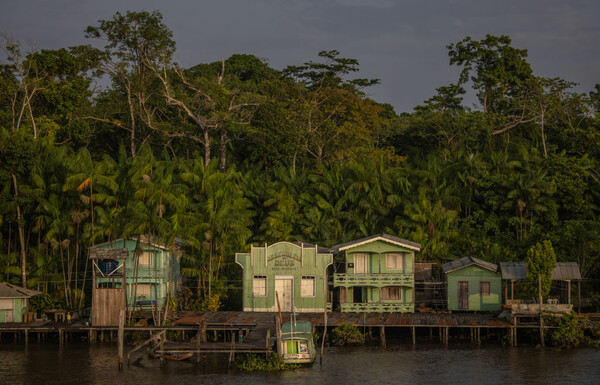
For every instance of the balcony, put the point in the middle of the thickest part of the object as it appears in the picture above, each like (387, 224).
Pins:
(377, 307)
(374, 280)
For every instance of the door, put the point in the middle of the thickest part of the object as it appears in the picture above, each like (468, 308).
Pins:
(463, 295)
(360, 263)
(284, 290)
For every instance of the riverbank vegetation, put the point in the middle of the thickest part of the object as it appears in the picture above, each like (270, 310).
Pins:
(234, 152)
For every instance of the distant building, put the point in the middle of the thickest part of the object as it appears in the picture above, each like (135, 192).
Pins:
(376, 274)
(13, 302)
(131, 275)
(285, 276)
(473, 285)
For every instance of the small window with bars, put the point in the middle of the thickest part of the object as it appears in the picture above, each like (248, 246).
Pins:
(392, 293)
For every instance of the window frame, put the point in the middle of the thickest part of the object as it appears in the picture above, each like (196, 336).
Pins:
(365, 265)
(383, 298)
(488, 291)
(254, 287)
(398, 256)
(314, 286)
(149, 254)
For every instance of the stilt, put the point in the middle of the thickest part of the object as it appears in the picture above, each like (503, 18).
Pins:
(430, 333)
(478, 336)
(441, 334)
(26, 337)
(447, 333)
(382, 336)
(121, 337)
(414, 335)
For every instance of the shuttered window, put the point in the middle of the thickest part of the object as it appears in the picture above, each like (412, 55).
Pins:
(391, 293)
(259, 286)
(308, 286)
(144, 290)
(146, 258)
(484, 288)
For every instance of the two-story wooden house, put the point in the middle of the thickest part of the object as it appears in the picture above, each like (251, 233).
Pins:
(376, 274)
(285, 276)
(133, 275)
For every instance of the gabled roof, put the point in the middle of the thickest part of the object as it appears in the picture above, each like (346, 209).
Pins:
(468, 261)
(305, 245)
(12, 291)
(373, 238)
(564, 271)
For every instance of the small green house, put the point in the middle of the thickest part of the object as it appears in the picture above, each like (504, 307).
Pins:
(473, 285)
(376, 274)
(285, 276)
(13, 302)
(149, 271)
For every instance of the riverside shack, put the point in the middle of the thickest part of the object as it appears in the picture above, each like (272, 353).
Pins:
(285, 276)
(13, 302)
(376, 274)
(473, 285)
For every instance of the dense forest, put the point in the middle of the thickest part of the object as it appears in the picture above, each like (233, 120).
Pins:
(231, 153)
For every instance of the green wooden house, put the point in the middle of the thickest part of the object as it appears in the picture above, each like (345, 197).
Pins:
(285, 276)
(376, 274)
(13, 302)
(150, 275)
(473, 285)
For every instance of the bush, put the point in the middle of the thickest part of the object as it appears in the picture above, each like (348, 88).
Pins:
(570, 331)
(347, 334)
(256, 362)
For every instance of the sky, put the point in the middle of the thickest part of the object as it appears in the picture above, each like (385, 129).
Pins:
(402, 43)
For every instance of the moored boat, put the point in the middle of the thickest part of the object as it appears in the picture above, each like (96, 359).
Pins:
(297, 344)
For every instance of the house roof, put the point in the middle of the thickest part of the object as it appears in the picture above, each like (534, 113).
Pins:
(12, 291)
(144, 239)
(468, 261)
(564, 271)
(379, 237)
(320, 249)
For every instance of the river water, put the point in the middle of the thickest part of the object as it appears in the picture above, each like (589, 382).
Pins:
(77, 363)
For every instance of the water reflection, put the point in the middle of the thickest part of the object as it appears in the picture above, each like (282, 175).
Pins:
(401, 364)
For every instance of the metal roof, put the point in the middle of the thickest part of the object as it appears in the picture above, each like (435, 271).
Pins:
(468, 261)
(11, 291)
(564, 271)
(379, 237)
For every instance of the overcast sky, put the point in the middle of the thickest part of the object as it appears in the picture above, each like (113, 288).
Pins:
(403, 43)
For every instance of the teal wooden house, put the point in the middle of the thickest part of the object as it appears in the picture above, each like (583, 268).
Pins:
(473, 285)
(13, 302)
(376, 274)
(285, 276)
(131, 275)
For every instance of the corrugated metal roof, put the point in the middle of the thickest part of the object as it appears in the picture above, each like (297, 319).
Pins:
(513, 270)
(11, 291)
(564, 271)
(372, 238)
(468, 261)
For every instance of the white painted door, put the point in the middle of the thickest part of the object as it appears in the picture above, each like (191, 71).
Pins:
(284, 290)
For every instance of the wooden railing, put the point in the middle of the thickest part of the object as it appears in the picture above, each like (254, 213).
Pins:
(374, 280)
(377, 307)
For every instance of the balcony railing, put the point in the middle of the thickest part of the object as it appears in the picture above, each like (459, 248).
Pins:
(377, 307)
(374, 280)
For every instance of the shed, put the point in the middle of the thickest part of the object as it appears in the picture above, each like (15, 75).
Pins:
(473, 285)
(13, 302)
(563, 271)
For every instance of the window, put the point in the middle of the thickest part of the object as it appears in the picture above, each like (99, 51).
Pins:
(394, 261)
(6, 304)
(360, 263)
(146, 258)
(259, 286)
(308, 286)
(143, 290)
(391, 293)
(484, 288)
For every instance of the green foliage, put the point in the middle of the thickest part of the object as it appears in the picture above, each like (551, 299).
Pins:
(347, 334)
(570, 331)
(257, 362)
(541, 260)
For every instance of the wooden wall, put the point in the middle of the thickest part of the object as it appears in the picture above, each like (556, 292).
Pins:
(106, 304)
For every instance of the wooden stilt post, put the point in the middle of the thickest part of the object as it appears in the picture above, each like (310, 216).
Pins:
(199, 339)
(121, 337)
(541, 310)
(382, 336)
(447, 334)
(26, 337)
(478, 335)
(414, 335)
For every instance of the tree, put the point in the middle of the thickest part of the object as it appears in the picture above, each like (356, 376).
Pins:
(541, 260)
(495, 68)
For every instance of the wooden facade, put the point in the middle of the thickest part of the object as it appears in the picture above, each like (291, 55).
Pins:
(473, 285)
(285, 276)
(376, 274)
